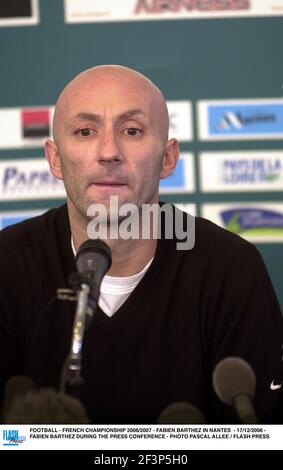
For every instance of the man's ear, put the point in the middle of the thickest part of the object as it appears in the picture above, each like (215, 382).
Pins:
(53, 158)
(170, 158)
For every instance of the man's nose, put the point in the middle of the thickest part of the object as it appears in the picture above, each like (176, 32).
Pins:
(109, 150)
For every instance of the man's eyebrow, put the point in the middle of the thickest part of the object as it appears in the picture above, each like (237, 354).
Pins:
(87, 117)
(131, 114)
(97, 118)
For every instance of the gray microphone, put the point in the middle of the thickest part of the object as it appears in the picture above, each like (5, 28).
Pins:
(93, 260)
(234, 383)
(45, 406)
(181, 413)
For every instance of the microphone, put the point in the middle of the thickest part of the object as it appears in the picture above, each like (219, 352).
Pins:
(45, 406)
(181, 413)
(234, 383)
(93, 260)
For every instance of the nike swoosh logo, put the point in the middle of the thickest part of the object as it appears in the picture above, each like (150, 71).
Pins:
(274, 386)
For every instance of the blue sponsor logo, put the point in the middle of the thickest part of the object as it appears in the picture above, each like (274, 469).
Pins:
(175, 181)
(247, 170)
(11, 437)
(245, 119)
(15, 179)
(253, 221)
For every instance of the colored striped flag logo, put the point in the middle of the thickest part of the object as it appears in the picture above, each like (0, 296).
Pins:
(35, 123)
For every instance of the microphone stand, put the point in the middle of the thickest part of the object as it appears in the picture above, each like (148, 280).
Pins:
(71, 378)
(93, 260)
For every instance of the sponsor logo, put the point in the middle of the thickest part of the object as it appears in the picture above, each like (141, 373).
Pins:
(247, 119)
(260, 222)
(251, 170)
(242, 171)
(28, 179)
(25, 127)
(253, 221)
(138, 10)
(35, 123)
(177, 6)
(274, 386)
(277, 386)
(241, 120)
(11, 437)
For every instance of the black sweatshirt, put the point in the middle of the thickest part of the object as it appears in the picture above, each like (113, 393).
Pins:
(191, 309)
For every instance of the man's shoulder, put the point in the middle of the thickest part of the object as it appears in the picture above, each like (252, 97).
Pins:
(32, 230)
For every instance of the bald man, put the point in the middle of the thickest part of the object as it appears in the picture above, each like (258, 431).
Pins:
(166, 317)
(111, 138)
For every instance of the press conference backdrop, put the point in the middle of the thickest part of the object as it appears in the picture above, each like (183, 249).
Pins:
(219, 63)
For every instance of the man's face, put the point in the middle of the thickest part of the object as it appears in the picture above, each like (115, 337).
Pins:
(109, 143)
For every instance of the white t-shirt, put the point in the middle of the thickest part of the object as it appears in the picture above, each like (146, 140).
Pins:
(114, 291)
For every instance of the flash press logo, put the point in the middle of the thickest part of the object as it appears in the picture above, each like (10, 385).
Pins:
(150, 221)
(11, 437)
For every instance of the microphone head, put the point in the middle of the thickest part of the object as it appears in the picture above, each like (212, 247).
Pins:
(46, 406)
(233, 377)
(93, 260)
(89, 252)
(181, 413)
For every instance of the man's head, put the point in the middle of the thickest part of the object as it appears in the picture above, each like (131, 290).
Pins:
(110, 134)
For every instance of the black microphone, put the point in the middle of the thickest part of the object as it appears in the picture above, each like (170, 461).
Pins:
(44, 406)
(234, 382)
(181, 413)
(93, 260)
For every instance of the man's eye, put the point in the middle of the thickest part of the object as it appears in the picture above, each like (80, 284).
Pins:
(84, 132)
(133, 131)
